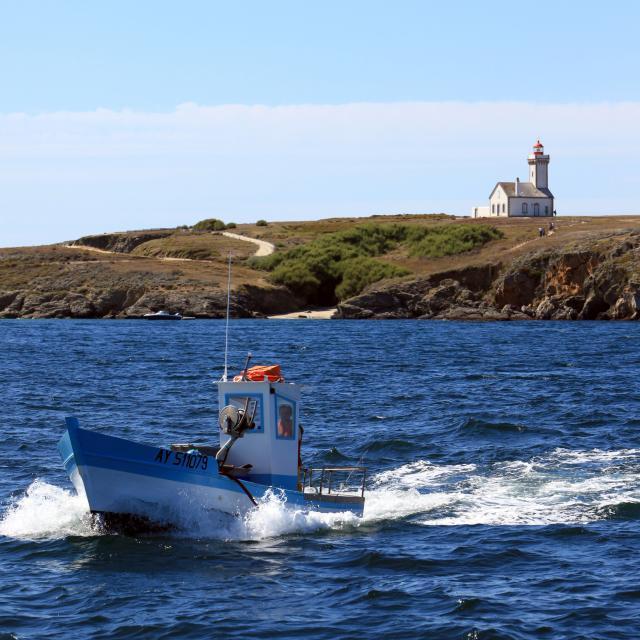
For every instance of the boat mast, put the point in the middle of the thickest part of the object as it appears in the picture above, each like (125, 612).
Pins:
(226, 329)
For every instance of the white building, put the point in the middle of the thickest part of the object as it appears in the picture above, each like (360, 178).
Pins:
(519, 199)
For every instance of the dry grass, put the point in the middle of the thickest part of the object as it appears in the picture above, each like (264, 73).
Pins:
(41, 267)
(196, 246)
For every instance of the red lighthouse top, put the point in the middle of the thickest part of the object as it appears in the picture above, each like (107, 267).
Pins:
(538, 149)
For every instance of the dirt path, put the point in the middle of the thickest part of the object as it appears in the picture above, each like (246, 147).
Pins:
(84, 247)
(264, 248)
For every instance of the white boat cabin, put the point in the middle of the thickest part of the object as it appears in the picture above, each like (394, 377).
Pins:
(272, 446)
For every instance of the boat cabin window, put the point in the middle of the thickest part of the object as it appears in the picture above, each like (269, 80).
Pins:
(286, 419)
(255, 402)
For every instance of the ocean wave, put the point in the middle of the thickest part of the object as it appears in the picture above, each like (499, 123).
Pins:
(475, 425)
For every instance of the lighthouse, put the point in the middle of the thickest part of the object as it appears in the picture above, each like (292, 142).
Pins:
(522, 199)
(538, 167)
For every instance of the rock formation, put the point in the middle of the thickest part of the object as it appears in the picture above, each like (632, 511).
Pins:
(598, 280)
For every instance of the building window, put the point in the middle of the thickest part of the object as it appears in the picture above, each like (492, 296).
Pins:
(546, 209)
(525, 208)
(503, 207)
(536, 209)
(493, 208)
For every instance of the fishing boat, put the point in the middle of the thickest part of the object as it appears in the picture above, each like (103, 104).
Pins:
(134, 486)
(162, 315)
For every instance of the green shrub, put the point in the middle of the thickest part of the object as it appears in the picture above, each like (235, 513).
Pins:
(209, 224)
(262, 223)
(231, 225)
(335, 266)
(449, 240)
(359, 273)
(299, 278)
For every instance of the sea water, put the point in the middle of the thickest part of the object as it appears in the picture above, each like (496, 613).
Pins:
(503, 496)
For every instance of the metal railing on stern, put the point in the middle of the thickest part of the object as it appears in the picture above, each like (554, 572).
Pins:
(333, 483)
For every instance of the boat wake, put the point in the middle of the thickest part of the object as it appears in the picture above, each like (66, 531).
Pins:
(563, 487)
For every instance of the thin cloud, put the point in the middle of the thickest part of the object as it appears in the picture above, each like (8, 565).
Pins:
(77, 172)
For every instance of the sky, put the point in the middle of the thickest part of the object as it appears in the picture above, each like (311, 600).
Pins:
(122, 115)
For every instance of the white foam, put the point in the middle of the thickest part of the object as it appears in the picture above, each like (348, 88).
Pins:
(272, 518)
(47, 511)
(563, 487)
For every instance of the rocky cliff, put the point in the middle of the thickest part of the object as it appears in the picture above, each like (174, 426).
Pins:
(60, 282)
(598, 279)
(134, 302)
(121, 242)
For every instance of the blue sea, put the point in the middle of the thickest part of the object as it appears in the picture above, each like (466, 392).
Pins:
(503, 497)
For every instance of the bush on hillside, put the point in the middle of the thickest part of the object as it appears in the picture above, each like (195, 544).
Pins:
(449, 240)
(262, 223)
(210, 224)
(359, 273)
(231, 225)
(334, 265)
(338, 265)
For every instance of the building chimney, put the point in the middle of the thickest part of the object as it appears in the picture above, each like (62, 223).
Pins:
(517, 187)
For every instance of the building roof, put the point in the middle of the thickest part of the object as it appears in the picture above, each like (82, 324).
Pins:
(526, 190)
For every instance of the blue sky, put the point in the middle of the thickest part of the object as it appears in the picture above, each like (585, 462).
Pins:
(115, 114)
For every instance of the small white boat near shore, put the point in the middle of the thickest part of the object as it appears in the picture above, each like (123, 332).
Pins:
(162, 315)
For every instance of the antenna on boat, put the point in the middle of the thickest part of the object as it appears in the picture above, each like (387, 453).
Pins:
(226, 329)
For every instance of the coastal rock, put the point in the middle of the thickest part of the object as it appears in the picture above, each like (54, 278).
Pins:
(593, 308)
(120, 242)
(7, 298)
(545, 309)
(596, 280)
(517, 287)
(439, 298)
(269, 300)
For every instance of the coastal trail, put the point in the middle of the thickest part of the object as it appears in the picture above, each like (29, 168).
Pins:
(120, 253)
(264, 248)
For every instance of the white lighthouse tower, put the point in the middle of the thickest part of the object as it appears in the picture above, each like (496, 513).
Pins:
(538, 167)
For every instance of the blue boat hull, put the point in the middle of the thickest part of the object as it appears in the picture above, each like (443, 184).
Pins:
(125, 479)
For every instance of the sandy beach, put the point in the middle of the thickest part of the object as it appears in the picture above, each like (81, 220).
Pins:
(315, 314)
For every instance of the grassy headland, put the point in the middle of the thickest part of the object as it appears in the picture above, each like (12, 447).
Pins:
(315, 263)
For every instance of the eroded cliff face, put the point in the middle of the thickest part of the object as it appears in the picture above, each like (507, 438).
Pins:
(120, 242)
(134, 302)
(598, 280)
(58, 281)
